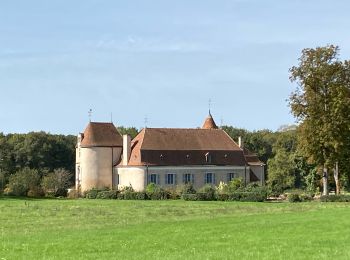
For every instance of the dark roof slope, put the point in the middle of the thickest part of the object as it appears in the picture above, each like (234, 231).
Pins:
(251, 158)
(187, 139)
(101, 135)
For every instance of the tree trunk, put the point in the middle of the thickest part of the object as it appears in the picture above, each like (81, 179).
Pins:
(336, 179)
(325, 180)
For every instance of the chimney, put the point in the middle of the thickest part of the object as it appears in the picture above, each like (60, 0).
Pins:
(80, 138)
(126, 149)
(240, 142)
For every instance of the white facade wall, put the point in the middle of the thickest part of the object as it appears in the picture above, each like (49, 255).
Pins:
(132, 176)
(95, 166)
(139, 177)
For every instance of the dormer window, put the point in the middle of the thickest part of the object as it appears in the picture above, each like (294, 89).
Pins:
(208, 157)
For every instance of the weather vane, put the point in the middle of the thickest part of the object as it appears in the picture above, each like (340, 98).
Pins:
(209, 105)
(90, 113)
(146, 121)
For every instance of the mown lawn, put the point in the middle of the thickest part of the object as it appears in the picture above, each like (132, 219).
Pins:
(111, 229)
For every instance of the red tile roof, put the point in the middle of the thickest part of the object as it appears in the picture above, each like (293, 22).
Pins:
(209, 123)
(101, 135)
(170, 146)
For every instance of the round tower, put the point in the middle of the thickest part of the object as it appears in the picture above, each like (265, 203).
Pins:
(99, 149)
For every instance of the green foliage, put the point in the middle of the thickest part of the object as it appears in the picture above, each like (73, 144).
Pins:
(107, 194)
(321, 103)
(235, 184)
(132, 131)
(186, 189)
(155, 192)
(207, 192)
(152, 187)
(24, 181)
(93, 193)
(294, 197)
(57, 182)
(36, 150)
(259, 142)
(335, 198)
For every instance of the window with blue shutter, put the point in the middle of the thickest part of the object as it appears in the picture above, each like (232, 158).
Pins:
(170, 178)
(209, 178)
(187, 178)
(153, 178)
(230, 176)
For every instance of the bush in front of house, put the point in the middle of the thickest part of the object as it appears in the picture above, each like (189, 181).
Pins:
(207, 192)
(155, 192)
(107, 194)
(93, 193)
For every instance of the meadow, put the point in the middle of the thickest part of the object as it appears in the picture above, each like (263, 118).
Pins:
(113, 229)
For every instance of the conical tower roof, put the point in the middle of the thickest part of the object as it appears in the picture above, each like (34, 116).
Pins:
(209, 123)
(101, 135)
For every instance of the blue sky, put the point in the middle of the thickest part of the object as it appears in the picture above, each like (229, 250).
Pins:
(157, 59)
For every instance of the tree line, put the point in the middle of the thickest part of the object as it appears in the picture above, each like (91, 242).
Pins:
(47, 160)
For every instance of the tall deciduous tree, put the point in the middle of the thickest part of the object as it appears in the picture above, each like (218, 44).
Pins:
(321, 103)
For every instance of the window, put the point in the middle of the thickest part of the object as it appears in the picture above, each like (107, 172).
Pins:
(230, 176)
(209, 178)
(170, 178)
(153, 178)
(188, 178)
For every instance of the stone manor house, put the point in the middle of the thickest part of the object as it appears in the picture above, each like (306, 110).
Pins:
(164, 156)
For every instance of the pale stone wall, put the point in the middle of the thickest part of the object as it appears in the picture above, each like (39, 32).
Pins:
(138, 177)
(95, 167)
(134, 176)
(259, 171)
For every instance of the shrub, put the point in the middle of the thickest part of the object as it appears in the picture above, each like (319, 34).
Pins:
(23, 181)
(35, 192)
(189, 197)
(132, 195)
(61, 192)
(294, 197)
(223, 188)
(140, 195)
(335, 198)
(235, 196)
(186, 189)
(306, 197)
(152, 187)
(207, 192)
(73, 194)
(57, 182)
(91, 194)
(173, 193)
(158, 195)
(155, 192)
(235, 184)
(107, 194)
(223, 196)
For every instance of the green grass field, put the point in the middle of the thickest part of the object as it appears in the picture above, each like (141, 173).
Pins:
(111, 229)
